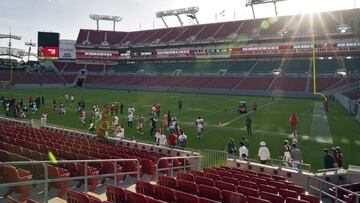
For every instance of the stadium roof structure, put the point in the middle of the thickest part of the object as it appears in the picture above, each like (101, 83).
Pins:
(97, 18)
(189, 12)
(258, 2)
(18, 53)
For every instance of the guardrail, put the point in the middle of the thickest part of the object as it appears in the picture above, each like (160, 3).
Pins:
(46, 180)
(300, 167)
(213, 158)
(321, 188)
(194, 160)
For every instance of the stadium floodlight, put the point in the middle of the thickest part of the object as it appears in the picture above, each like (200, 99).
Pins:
(189, 12)
(10, 37)
(97, 18)
(30, 44)
(343, 28)
(252, 3)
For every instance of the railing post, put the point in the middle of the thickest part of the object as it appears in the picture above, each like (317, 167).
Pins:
(115, 169)
(86, 177)
(138, 170)
(156, 169)
(336, 194)
(46, 193)
(184, 165)
(172, 167)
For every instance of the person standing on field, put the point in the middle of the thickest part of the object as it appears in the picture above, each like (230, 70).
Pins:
(264, 153)
(294, 121)
(249, 125)
(180, 104)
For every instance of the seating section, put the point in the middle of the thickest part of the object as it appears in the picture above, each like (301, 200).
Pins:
(297, 84)
(265, 67)
(241, 66)
(73, 67)
(224, 184)
(352, 65)
(32, 78)
(21, 143)
(328, 66)
(294, 66)
(325, 24)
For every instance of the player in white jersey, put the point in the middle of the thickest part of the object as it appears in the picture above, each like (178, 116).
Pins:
(200, 126)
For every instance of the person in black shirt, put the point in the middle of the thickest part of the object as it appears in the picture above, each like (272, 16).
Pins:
(249, 125)
(328, 160)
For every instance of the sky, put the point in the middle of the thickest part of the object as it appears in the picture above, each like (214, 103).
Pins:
(26, 17)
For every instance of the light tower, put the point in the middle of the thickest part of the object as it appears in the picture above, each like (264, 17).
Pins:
(97, 18)
(257, 2)
(189, 12)
(30, 44)
(10, 36)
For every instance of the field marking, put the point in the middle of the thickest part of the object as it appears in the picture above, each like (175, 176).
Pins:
(271, 133)
(248, 113)
(320, 130)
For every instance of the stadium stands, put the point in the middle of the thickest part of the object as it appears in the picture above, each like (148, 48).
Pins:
(295, 66)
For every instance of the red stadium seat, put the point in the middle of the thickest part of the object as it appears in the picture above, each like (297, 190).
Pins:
(248, 184)
(210, 170)
(144, 188)
(274, 198)
(187, 186)
(197, 173)
(152, 200)
(296, 188)
(277, 177)
(248, 191)
(182, 197)
(225, 186)
(295, 200)
(259, 181)
(115, 194)
(129, 166)
(310, 198)
(212, 176)
(224, 174)
(164, 165)
(12, 174)
(167, 181)
(233, 181)
(76, 197)
(164, 193)
(93, 182)
(230, 197)
(277, 184)
(268, 188)
(288, 193)
(205, 181)
(241, 177)
(257, 200)
(56, 172)
(205, 200)
(108, 168)
(132, 197)
(185, 176)
(148, 167)
(209, 192)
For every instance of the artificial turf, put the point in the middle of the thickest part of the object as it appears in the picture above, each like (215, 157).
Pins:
(270, 121)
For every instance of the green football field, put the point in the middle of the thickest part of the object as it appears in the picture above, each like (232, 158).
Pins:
(270, 122)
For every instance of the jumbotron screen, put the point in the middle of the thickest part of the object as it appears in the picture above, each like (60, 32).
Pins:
(48, 45)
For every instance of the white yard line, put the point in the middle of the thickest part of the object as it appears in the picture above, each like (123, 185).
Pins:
(249, 112)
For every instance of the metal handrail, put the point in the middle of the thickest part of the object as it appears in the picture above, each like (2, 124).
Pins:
(172, 164)
(279, 163)
(46, 180)
(337, 188)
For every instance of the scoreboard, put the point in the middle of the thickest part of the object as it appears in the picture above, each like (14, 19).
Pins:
(48, 45)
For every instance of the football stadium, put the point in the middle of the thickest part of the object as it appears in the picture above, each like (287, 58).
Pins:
(259, 105)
